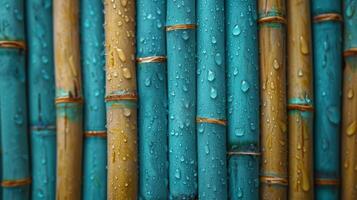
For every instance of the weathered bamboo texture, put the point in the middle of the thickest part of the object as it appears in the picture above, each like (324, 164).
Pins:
(272, 42)
(121, 97)
(93, 63)
(152, 87)
(349, 118)
(243, 99)
(15, 173)
(327, 46)
(68, 99)
(181, 72)
(211, 101)
(42, 109)
(300, 100)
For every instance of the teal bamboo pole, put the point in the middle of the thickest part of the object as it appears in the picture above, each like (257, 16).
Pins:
(152, 86)
(93, 64)
(349, 112)
(15, 175)
(211, 101)
(243, 99)
(41, 87)
(327, 46)
(181, 52)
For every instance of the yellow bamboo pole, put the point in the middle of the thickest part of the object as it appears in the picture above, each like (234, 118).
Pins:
(274, 163)
(68, 99)
(300, 100)
(121, 99)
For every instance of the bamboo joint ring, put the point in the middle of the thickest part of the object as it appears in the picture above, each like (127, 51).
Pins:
(274, 180)
(130, 96)
(301, 107)
(101, 134)
(319, 181)
(272, 19)
(211, 121)
(350, 52)
(16, 183)
(328, 17)
(180, 27)
(69, 100)
(151, 59)
(13, 44)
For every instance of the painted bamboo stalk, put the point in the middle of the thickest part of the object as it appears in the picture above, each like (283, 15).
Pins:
(274, 162)
(349, 118)
(121, 99)
(243, 99)
(68, 99)
(152, 87)
(211, 101)
(15, 173)
(327, 44)
(300, 100)
(93, 61)
(181, 52)
(42, 109)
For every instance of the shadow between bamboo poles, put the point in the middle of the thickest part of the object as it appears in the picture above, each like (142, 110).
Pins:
(15, 175)
(121, 98)
(152, 87)
(243, 99)
(349, 118)
(211, 101)
(68, 99)
(272, 43)
(181, 54)
(327, 44)
(41, 85)
(95, 136)
(300, 100)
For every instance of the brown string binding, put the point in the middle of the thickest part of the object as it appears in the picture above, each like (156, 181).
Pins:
(17, 44)
(16, 183)
(328, 17)
(327, 181)
(151, 59)
(101, 134)
(69, 100)
(350, 52)
(211, 121)
(272, 19)
(301, 107)
(129, 96)
(274, 180)
(180, 27)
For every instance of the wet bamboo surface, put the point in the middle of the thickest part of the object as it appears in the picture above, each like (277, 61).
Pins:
(274, 140)
(349, 118)
(181, 73)
(211, 101)
(121, 99)
(327, 46)
(41, 91)
(300, 100)
(94, 121)
(152, 87)
(15, 173)
(68, 99)
(243, 99)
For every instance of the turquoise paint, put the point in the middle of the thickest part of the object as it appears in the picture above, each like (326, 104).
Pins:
(41, 87)
(13, 109)
(211, 100)
(181, 73)
(93, 64)
(242, 95)
(327, 46)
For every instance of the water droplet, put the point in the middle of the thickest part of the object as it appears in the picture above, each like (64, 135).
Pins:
(121, 55)
(213, 93)
(333, 114)
(214, 40)
(304, 46)
(350, 10)
(244, 86)
(236, 30)
(235, 72)
(276, 64)
(300, 73)
(185, 35)
(350, 93)
(206, 149)
(239, 132)
(177, 174)
(126, 112)
(147, 82)
(211, 76)
(351, 129)
(218, 58)
(126, 73)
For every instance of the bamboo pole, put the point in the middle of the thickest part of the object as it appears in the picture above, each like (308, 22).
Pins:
(274, 162)
(68, 99)
(15, 175)
(121, 99)
(349, 118)
(93, 61)
(327, 37)
(41, 85)
(211, 101)
(152, 86)
(181, 52)
(300, 100)
(243, 99)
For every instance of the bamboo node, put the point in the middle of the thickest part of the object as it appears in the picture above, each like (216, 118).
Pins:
(151, 59)
(245, 153)
(211, 121)
(16, 183)
(69, 100)
(272, 19)
(180, 27)
(17, 44)
(319, 181)
(101, 134)
(328, 17)
(350, 52)
(39, 128)
(301, 107)
(130, 96)
(274, 180)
